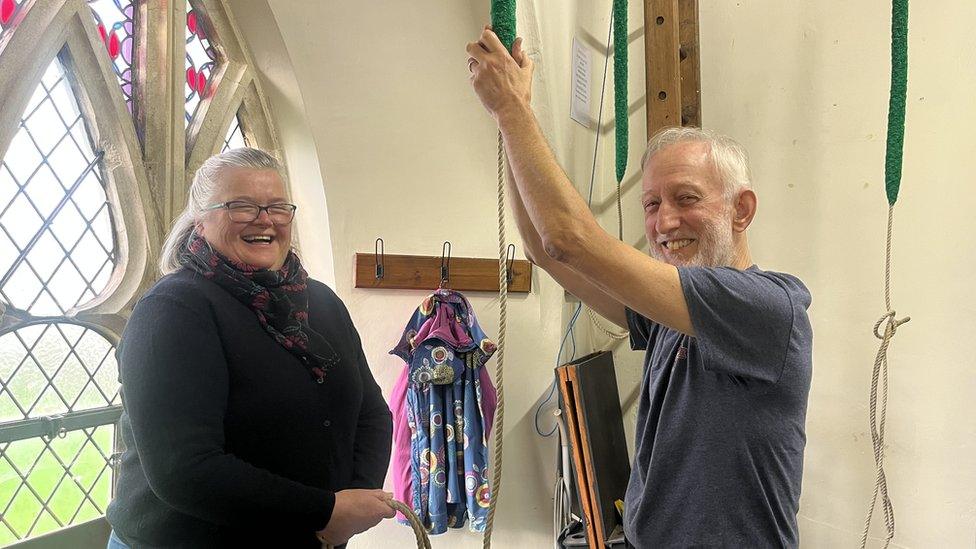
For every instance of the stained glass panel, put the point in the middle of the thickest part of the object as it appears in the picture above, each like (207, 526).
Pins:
(114, 19)
(8, 8)
(200, 61)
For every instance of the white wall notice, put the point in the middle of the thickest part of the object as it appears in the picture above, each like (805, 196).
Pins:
(579, 109)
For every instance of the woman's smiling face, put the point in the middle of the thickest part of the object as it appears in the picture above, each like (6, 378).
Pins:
(261, 243)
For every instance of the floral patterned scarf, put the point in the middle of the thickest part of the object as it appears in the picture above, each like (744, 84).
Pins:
(278, 298)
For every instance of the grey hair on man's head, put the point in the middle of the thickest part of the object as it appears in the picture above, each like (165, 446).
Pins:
(206, 183)
(729, 157)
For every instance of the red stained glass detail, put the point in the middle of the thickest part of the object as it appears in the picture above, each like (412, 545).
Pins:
(191, 78)
(113, 45)
(114, 24)
(191, 22)
(201, 83)
(7, 8)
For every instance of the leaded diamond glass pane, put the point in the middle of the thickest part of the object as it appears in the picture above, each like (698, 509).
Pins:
(45, 304)
(53, 207)
(23, 511)
(68, 157)
(44, 191)
(27, 286)
(45, 257)
(88, 255)
(24, 157)
(49, 484)
(6, 536)
(44, 117)
(67, 369)
(69, 226)
(67, 287)
(21, 220)
(8, 187)
(235, 136)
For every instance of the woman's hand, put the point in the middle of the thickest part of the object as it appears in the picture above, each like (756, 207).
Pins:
(355, 511)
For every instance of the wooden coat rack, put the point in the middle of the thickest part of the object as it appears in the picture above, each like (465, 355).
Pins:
(419, 272)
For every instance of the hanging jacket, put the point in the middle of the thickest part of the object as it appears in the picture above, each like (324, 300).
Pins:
(443, 407)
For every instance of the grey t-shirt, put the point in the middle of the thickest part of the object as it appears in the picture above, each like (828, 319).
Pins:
(720, 423)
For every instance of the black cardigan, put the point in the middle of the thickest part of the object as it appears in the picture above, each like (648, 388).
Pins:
(229, 440)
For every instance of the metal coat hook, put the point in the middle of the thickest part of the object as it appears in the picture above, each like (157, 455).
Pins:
(378, 251)
(445, 263)
(510, 262)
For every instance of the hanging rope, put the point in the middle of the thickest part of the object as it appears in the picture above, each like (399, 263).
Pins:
(893, 165)
(496, 456)
(503, 24)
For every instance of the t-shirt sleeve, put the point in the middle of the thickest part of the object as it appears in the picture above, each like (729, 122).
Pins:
(640, 330)
(743, 319)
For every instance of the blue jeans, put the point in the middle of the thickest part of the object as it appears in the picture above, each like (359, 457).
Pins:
(115, 543)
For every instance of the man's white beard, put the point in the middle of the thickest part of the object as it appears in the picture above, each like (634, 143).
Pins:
(715, 247)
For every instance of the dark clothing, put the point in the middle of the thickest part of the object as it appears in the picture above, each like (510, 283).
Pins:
(279, 299)
(229, 442)
(720, 424)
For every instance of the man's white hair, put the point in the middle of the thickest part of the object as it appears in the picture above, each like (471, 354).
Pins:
(729, 157)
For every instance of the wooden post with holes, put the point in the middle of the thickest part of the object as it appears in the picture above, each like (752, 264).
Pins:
(672, 67)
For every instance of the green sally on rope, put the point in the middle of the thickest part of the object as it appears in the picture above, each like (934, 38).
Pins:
(503, 23)
(620, 85)
(896, 100)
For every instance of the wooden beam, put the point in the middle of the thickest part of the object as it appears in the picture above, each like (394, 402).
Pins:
(690, 63)
(415, 272)
(671, 56)
(661, 46)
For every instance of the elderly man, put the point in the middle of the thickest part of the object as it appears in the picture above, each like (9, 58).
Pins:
(720, 426)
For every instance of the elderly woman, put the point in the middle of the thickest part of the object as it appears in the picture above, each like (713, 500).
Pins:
(251, 418)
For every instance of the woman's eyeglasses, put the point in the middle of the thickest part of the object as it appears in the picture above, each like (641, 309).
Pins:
(242, 211)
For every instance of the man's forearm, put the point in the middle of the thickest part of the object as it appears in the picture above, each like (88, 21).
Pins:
(557, 212)
(567, 277)
(530, 237)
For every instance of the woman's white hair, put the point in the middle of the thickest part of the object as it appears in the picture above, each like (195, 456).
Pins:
(729, 157)
(206, 183)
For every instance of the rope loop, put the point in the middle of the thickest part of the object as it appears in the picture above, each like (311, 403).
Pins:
(419, 530)
(891, 325)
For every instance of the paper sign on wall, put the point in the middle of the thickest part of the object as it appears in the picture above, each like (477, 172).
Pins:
(579, 109)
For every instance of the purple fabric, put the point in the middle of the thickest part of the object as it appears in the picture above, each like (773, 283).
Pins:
(444, 327)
